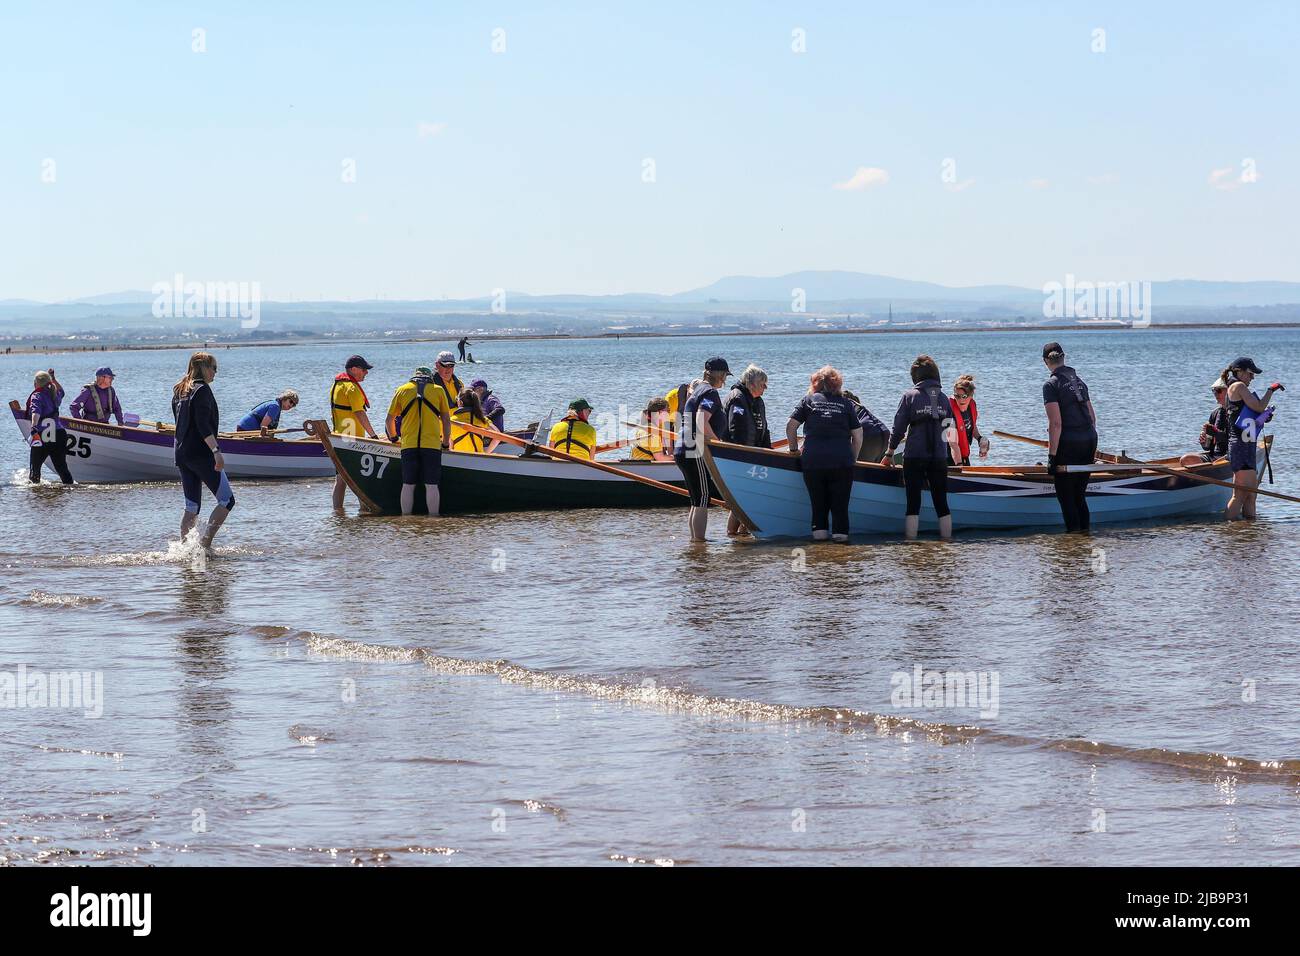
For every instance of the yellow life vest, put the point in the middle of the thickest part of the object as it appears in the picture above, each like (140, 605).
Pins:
(647, 442)
(574, 436)
(462, 440)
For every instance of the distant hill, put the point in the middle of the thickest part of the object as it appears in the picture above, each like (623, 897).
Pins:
(847, 286)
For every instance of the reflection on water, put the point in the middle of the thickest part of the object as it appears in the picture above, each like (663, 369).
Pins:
(676, 701)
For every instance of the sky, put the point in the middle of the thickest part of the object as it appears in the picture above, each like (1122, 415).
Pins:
(632, 147)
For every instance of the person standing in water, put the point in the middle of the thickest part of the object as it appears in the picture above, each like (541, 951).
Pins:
(924, 414)
(1071, 436)
(419, 410)
(462, 345)
(701, 418)
(198, 456)
(348, 408)
(48, 439)
(1243, 436)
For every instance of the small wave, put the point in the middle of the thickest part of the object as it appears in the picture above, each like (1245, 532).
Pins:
(674, 700)
(311, 736)
(45, 599)
(657, 861)
(541, 806)
(186, 551)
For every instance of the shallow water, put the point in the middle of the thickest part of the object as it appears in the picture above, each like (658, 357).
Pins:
(588, 687)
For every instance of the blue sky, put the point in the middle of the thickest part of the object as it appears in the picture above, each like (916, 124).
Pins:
(524, 169)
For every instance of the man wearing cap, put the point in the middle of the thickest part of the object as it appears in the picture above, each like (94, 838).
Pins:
(98, 400)
(493, 410)
(446, 378)
(702, 417)
(1071, 435)
(572, 434)
(1243, 432)
(420, 412)
(348, 407)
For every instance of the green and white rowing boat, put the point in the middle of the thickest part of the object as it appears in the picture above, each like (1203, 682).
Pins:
(481, 483)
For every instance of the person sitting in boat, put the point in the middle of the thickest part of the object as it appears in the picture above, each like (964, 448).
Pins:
(701, 418)
(924, 415)
(573, 434)
(266, 417)
(98, 400)
(469, 411)
(1071, 436)
(48, 439)
(964, 433)
(419, 419)
(832, 438)
(1243, 432)
(348, 408)
(493, 410)
(652, 441)
(875, 433)
(746, 417)
(198, 455)
(1214, 433)
(446, 379)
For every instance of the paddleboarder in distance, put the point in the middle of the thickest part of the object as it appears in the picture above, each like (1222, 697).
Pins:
(461, 345)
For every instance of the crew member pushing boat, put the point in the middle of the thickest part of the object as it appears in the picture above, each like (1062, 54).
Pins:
(1071, 435)
(1247, 414)
(48, 439)
(348, 407)
(701, 418)
(924, 415)
(419, 410)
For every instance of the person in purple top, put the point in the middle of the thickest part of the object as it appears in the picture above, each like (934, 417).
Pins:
(493, 410)
(98, 400)
(48, 439)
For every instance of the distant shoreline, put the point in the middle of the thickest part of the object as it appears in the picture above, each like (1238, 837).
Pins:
(412, 340)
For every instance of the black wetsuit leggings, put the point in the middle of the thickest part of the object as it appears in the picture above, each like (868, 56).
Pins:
(57, 453)
(919, 472)
(828, 491)
(1079, 448)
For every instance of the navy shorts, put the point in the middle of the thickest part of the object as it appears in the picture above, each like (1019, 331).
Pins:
(699, 483)
(421, 466)
(1241, 454)
(196, 474)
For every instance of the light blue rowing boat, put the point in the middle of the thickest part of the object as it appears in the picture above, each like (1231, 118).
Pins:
(765, 489)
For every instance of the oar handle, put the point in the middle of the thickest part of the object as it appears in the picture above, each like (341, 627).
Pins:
(776, 444)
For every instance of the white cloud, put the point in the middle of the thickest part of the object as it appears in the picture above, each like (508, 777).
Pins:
(864, 178)
(1229, 178)
(1038, 184)
(958, 187)
(428, 130)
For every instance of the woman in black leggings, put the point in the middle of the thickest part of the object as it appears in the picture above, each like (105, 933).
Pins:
(832, 436)
(1071, 435)
(924, 416)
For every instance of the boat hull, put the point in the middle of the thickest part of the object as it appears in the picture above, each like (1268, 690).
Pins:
(767, 489)
(101, 453)
(481, 483)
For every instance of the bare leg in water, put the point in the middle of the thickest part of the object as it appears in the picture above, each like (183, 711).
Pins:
(340, 486)
(215, 521)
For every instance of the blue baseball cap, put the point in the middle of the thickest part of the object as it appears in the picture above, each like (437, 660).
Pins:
(104, 371)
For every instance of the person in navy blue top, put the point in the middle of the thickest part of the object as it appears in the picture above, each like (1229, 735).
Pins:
(924, 415)
(198, 455)
(1071, 435)
(266, 417)
(832, 437)
(701, 418)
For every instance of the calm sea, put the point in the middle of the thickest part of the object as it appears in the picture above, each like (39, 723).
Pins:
(588, 687)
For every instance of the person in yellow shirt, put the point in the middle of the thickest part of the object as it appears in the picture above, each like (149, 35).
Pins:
(572, 434)
(419, 410)
(348, 408)
(652, 440)
(446, 379)
(470, 412)
(676, 399)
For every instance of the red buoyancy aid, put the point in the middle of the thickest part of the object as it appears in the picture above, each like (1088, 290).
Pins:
(963, 443)
(345, 377)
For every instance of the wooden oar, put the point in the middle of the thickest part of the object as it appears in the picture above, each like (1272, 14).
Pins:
(662, 431)
(564, 456)
(1101, 455)
(257, 432)
(1125, 460)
